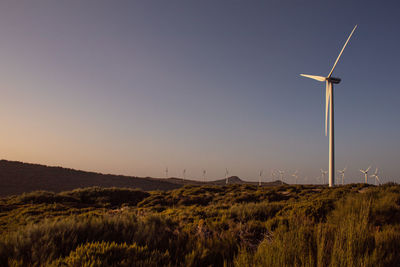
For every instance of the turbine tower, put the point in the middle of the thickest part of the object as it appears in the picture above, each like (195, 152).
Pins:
(366, 173)
(259, 179)
(184, 174)
(166, 172)
(375, 175)
(226, 176)
(204, 175)
(341, 172)
(329, 80)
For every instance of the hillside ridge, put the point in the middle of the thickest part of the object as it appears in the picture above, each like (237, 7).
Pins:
(19, 177)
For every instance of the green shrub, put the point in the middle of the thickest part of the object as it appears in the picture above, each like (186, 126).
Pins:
(50, 240)
(113, 196)
(254, 211)
(113, 254)
(347, 237)
(41, 197)
(90, 195)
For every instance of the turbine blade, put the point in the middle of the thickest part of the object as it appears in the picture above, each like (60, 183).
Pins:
(314, 77)
(340, 54)
(368, 169)
(327, 98)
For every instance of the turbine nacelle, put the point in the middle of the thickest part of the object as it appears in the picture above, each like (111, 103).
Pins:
(322, 78)
(334, 80)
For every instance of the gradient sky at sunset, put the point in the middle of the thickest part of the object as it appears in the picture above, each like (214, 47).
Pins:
(130, 87)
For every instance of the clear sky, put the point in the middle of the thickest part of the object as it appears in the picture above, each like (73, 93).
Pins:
(131, 87)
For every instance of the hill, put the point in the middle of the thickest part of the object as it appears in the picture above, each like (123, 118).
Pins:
(231, 180)
(18, 177)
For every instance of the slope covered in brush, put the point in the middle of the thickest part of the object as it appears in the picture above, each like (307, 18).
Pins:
(236, 225)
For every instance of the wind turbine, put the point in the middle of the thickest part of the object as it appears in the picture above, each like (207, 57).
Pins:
(366, 173)
(204, 175)
(341, 172)
(166, 172)
(323, 173)
(226, 176)
(281, 173)
(329, 80)
(259, 179)
(272, 175)
(296, 175)
(184, 174)
(376, 176)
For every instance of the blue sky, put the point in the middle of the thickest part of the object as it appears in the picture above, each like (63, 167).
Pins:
(131, 87)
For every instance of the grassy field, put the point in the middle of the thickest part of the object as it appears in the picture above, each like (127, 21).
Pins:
(235, 225)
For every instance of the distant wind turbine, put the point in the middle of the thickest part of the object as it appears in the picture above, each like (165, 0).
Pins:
(323, 173)
(166, 172)
(296, 175)
(341, 172)
(184, 174)
(259, 179)
(375, 175)
(272, 175)
(226, 176)
(204, 175)
(281, 173)
(329, 80)
(366, 174)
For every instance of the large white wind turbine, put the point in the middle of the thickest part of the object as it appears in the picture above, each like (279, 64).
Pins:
(366, 174)
(329, 80)
(375, 175)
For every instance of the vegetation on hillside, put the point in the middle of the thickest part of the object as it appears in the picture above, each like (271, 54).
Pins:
(235, 225)
(19, 177)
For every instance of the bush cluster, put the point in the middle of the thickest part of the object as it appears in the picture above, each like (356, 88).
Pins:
(236, 225)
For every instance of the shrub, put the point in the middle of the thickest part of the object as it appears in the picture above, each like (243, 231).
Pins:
(50, 240)
(113, 254)
(113, 196)
(347, 237)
